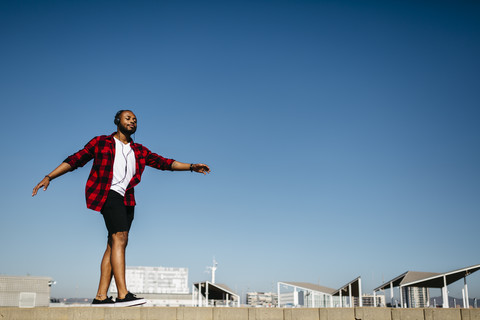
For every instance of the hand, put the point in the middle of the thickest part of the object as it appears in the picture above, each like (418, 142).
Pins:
(201, 168)
(44, 183)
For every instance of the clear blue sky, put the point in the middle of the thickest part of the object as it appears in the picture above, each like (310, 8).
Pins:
(343, 137)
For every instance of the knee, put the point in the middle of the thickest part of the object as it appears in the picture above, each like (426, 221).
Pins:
(120, 239)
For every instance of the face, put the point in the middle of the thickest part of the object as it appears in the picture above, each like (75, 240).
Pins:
(128, 122)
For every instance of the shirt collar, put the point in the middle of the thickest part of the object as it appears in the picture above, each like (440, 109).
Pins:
(113, 139)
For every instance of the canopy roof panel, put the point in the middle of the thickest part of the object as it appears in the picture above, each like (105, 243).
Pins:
(310, 287)
(437, 281)
(215, 291)
(428, 279)
(354, 285)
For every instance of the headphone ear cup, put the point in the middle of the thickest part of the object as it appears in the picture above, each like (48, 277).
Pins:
(117, 117)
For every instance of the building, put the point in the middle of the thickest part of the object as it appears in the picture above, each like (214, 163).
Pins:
(302, 294)
(160, 286)
(158, 280)
(25, 292)
(413, 287)
(349, 294)
(416, 297)
(262, 299)
(308, 295)
(209, 294)
(373, 300)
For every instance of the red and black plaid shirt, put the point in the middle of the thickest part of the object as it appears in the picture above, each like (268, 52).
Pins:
(102, 150)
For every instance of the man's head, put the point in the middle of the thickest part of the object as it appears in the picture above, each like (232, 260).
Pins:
(126, 122)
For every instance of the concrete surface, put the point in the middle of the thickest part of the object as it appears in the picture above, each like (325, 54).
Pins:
(408, 314)
(192, 313)
(443, 314)
(265, 314)
(373, 313)
(337, 314)
(301, 314)
(470, 314)
(231, 314)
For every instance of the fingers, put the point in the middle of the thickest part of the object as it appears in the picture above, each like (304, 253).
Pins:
(34, 192)
(44, 183)
(36, 189)
(203, 168)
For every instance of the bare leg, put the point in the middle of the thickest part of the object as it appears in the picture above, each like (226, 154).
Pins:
(105, 272)
(117, 260)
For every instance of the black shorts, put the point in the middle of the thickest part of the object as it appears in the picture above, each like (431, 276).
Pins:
(118, 217)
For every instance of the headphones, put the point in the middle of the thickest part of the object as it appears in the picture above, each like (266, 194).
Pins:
(117, 117)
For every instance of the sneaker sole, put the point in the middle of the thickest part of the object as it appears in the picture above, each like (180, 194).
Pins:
(103, 305)
(130, 303)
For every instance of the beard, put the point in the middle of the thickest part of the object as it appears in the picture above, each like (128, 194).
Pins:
(126, 131)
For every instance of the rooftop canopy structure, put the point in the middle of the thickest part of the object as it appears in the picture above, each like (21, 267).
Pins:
(303, 294)
(351, 289)
(413, 279)
(213, 294)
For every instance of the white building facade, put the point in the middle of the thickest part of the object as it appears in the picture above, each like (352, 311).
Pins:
(155, 280)
(416, 297)
(262, 299)
(25, 292)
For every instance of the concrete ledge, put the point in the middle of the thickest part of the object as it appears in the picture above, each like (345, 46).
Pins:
(190, 313)
(408, 314)
(443, 314)
(231, 313)
(337, 313)
(373, 313)
(265, 314)
(301, 314)
(470, 314)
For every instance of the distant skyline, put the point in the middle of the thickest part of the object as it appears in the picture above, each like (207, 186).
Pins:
(343, 137)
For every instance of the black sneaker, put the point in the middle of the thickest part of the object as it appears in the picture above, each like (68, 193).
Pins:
(129, 301)
(108, 302)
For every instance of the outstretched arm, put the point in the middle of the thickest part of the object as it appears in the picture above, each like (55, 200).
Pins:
(197, 167)
(61, 169)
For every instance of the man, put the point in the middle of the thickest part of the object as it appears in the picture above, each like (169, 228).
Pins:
(118, 164)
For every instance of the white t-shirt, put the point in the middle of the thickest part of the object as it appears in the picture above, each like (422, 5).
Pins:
(123, 167)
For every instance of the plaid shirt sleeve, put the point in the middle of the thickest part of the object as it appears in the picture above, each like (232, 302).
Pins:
(154, 160)
(102, 150)
(98, 184)
(82, 156)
